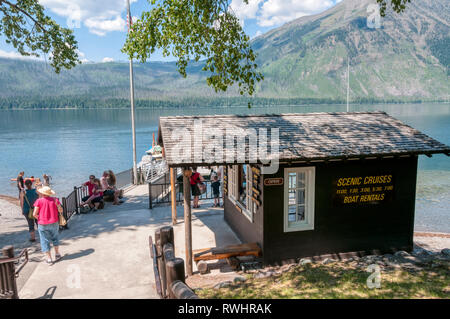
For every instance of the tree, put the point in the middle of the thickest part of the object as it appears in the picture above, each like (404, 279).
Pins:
(29, 30)
(397, 5)
(196, 30)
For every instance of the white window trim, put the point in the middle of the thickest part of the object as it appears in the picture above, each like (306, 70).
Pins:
(233, 191)
(310, 182)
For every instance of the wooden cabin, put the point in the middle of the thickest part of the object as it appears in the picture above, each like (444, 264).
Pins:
(346, 182)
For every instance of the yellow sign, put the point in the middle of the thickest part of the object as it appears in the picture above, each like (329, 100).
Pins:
(369, 189)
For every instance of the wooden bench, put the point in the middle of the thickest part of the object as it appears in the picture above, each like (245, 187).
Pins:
(227, 252)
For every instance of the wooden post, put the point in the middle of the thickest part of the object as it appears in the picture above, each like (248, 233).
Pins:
(161, 264)
(187, 220)
(173, 195)
(167, 236)
(174, 271)
(8, 252)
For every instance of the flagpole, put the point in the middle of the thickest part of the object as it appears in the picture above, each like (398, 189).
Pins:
(348, 80)
(133, 128)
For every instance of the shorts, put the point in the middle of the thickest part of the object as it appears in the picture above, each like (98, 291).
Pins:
(109, 192)
(216, 195)
(195, 190)
(48, 233)
(97, 199)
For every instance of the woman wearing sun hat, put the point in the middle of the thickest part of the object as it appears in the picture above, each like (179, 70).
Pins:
(46, 211)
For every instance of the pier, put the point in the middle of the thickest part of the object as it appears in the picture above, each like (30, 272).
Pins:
(106, 253)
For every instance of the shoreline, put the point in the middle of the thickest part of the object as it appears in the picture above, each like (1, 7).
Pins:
(10, 199)
(222, 106)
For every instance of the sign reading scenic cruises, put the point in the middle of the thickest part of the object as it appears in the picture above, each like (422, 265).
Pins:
(363, 189)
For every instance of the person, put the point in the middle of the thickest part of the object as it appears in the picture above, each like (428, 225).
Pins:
(220, 173)
(46, 179)
(215, 185)
(27, 199)
(20, 182)
(111, 180)
(97, 196)
(90, 185)
(46, 211)
(109, 190)
(37, 182)
(195, 179)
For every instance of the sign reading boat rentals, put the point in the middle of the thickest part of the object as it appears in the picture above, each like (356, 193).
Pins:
(368, 189)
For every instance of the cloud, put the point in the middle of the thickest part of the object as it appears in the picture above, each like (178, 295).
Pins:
(17, 55)
(107, 59)
(270, 13)
(99, 16)
(257, 34)
(277, 12)
(245, 11)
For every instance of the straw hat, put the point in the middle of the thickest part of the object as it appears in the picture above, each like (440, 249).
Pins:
(45, 190)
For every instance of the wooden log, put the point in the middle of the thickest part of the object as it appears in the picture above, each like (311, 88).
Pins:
(161, 264)
(174, 271)
(167, 236)
(182, 291)
(202, 267)
(168, 252)
(173, 195)
(227, 252)
(187, 220)
(233, 262)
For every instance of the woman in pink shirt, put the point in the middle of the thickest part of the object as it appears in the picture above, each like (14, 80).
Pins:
(46, 211)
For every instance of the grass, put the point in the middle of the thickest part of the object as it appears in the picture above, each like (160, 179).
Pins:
(340, 280)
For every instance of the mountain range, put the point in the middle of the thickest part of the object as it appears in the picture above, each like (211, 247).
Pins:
(405, 58)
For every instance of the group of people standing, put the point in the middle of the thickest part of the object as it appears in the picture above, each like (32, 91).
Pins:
(41, 210)
(100, 188)
(197, 184)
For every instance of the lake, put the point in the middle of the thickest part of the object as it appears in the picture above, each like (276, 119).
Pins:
(71, 144)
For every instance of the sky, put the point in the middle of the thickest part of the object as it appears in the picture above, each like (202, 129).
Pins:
(100, 25)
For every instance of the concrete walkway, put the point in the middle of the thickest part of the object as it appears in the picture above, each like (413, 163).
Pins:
(106, 253)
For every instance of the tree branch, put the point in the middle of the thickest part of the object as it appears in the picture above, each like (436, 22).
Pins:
(12, 5)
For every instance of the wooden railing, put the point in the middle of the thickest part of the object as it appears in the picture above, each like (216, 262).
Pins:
(10, 267)
(168, 269)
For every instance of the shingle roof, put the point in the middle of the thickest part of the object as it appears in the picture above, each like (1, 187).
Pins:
(310, 136)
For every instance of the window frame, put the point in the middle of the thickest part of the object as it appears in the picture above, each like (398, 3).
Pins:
(233, 189)
(310, 181)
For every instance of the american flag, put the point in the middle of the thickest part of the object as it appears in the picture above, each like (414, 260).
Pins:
(129, 22)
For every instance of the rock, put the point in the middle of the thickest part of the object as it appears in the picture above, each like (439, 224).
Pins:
(223, 284)
(286, 267)
(445, 252)
(401, 253)
(305, 261)
(327, 261)
(265, 274)
(238, 279)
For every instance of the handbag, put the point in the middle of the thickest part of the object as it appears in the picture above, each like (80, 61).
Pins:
(30, 210)
(62, 220)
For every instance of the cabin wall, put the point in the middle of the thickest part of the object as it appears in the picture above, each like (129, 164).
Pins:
(247, 231)
(379, 227)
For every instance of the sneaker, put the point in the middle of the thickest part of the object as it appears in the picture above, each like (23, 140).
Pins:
(49, 261)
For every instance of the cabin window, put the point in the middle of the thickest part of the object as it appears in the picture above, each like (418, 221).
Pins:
(299, 198)
(239, 188)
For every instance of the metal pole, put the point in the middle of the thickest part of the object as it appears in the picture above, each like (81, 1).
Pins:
(133, 129)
